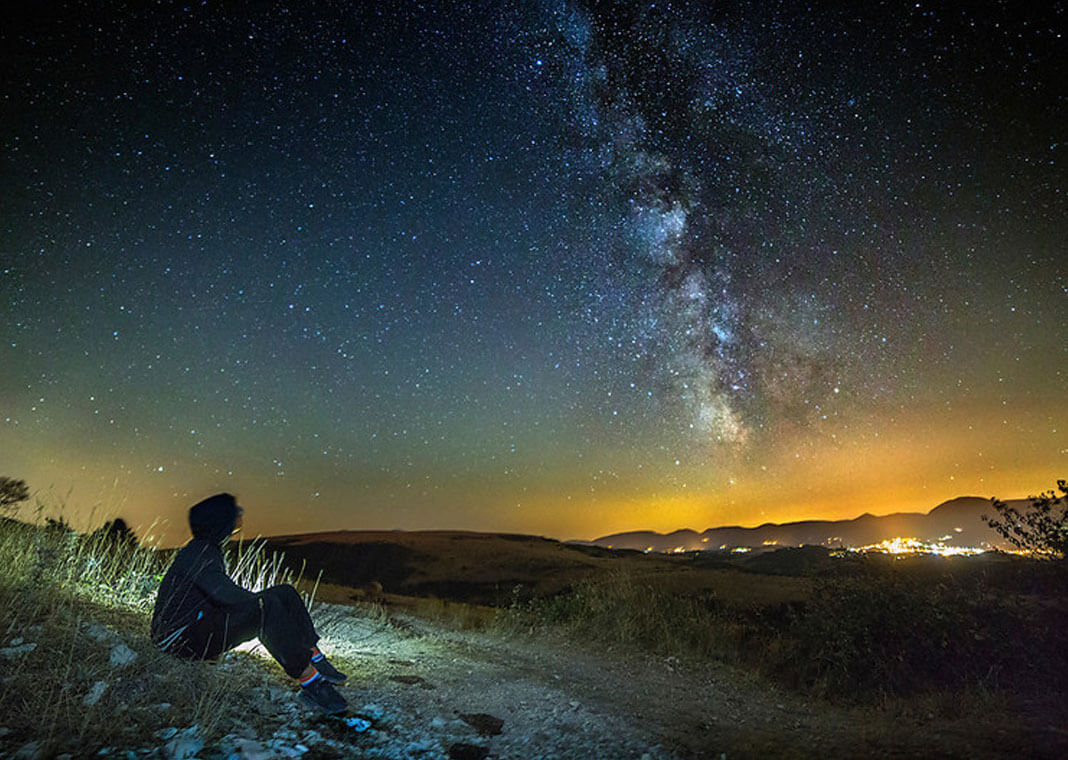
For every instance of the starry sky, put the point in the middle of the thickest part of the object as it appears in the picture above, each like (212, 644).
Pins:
(563, 268)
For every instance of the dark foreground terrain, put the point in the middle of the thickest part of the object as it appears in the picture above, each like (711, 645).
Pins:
(473, 646)
(964, 650)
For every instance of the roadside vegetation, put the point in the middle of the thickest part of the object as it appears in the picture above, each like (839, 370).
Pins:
(868, 629)
(77, 668)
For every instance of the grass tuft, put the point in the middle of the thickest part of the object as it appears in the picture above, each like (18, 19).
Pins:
(72, 608)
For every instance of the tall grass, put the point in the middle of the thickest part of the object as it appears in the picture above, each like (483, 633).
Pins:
(68, 603)
(253, 567)
(621, 609)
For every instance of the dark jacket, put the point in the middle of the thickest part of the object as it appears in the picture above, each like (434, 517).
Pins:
(197, 585)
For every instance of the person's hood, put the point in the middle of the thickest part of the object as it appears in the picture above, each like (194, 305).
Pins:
(214, 518)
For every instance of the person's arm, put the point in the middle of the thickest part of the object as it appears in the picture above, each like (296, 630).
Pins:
(212, 579)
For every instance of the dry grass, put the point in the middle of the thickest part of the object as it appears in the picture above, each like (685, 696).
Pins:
(75, 599)
(622, 609)
(459, 616)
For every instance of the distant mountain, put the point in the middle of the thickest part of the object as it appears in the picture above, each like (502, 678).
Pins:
(957, 522)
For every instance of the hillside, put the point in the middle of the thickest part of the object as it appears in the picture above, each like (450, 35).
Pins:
(957, 522)
(499, 570)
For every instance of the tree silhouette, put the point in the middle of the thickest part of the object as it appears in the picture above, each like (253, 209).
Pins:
(1041, 529)
(58, 525)
(12, 493)
(117, 531)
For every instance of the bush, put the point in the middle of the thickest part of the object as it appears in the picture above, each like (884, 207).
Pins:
(1040, 530)
(12, 493)
(888, 634)
(626, 611)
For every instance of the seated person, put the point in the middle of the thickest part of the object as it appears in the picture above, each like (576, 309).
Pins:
(201, 613)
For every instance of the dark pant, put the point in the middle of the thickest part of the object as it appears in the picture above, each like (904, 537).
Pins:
(276, 615)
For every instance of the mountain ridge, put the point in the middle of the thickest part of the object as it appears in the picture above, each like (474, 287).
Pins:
(956, 522)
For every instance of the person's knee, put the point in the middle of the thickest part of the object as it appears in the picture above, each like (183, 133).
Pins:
(284, 594)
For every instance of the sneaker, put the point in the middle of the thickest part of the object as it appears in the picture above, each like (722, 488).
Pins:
(329, 672)
(322, 696)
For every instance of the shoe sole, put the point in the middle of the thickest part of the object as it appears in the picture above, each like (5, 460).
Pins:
(309, 702)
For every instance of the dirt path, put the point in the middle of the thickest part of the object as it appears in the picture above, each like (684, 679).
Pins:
(415, 680)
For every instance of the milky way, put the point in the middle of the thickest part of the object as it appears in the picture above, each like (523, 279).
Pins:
(554, 267)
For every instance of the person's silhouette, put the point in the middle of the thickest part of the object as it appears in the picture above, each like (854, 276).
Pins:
(201, 613)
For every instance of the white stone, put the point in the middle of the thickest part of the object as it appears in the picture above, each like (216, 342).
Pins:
(249, 749)
(95, 693)
(29, 751)
(183, 745)
(101, 633)
(122, 655)
(11, 652)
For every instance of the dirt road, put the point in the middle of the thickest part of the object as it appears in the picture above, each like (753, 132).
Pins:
(430, 692)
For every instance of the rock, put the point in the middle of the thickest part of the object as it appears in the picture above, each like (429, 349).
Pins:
(282, 748)
(121, 656)
(95, 693)
(312, 737)
(412, 680)
(249, 749)
(226, 746)
(461, 751)
(29, 751)
(372, 711)
(17, 651)
(484, 723)
(16, 641)
(101, 633)
(183, 744)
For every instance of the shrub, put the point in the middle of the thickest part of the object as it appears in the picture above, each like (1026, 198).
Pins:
(12, 493)
(1041, 529)
(892, 634)
(622, 609)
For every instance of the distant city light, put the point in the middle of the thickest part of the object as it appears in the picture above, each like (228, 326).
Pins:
(901, 545)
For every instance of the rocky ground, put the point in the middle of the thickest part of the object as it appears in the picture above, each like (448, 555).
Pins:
(418, 690)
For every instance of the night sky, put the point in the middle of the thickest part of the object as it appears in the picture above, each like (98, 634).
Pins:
(558, 268)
